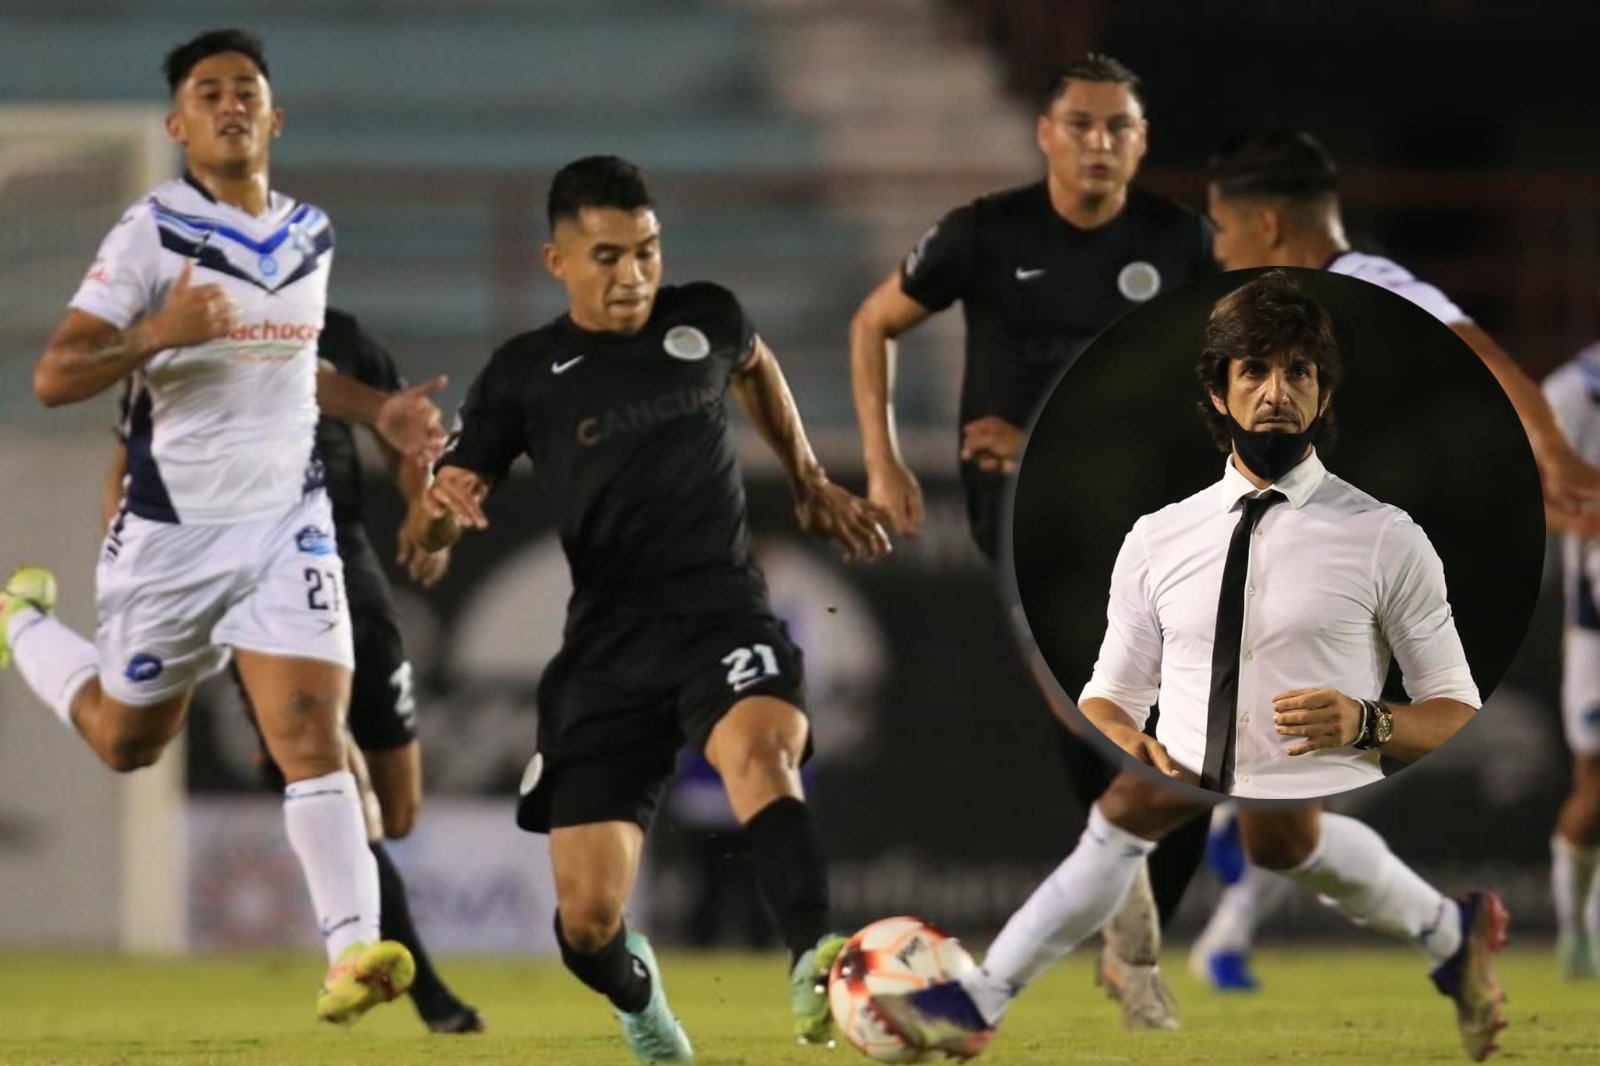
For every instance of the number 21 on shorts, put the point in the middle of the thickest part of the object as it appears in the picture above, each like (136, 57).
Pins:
(746, 666)
(322, 589)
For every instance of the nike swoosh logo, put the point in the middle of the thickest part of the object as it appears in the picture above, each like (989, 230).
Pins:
(562, 368)
(1029, 275)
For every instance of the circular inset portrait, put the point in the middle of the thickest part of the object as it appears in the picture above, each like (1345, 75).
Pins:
(1278, 533)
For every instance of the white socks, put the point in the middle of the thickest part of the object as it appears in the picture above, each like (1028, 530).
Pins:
(323, 818)
(1361, 878)
(1241, 908)
(1572, 883)
(1073, 902)
(53, 660)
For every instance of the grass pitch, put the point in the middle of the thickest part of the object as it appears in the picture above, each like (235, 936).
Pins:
(1319, 1007)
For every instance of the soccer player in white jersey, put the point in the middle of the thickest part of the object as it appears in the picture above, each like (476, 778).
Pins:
(1269, 361)
(1574, 394)
(1273, 198)
(210, 294)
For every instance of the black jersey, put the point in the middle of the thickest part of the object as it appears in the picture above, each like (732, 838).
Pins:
(349, 348)
(629, 434)
(1035, 290)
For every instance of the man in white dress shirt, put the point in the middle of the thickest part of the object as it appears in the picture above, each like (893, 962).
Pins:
(1330, 582)
(1325, 574)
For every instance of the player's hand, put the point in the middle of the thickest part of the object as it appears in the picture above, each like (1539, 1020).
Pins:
(459, 494)
(1145, 748)
(829, 512)
(1571, 491)
(893, 489)
(994, 444)
(425, 568)
(193, 314)
(1326, 717)
(409, 421)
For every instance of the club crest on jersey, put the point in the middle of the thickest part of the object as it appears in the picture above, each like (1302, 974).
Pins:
(1139, 281)
(267, 265)
(314, 541)
(144, 667)
(686, 343)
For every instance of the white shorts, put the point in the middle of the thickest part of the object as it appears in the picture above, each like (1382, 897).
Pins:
(1580, 689)
(172, 598)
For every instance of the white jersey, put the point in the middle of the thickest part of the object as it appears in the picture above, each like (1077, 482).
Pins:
(220, 432)
(1383, 271)
(1573, 390)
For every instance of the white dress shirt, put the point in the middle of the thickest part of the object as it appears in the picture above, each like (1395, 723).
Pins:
(1336, 582)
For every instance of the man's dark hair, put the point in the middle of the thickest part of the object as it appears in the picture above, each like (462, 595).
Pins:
(1284, 164)
(184, 58)
(1096, 66)
(595, 181)
(1269, 317)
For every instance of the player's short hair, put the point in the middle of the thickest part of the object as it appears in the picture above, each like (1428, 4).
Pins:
(186, 56)
(595, 181)
(1096, 66)
(1283, 164)
(1270, 315)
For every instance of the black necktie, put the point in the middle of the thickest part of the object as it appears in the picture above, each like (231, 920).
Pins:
(1222, 712)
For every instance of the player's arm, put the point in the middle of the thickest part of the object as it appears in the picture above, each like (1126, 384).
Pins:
(1568, 480)
(412, 477)
(825, 510)
(1416, 621)
(407, 420)
(882, 317)
(111, 486)
(487, 439)
(87, 354)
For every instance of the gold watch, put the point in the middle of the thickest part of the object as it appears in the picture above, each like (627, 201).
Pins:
(1379, 726)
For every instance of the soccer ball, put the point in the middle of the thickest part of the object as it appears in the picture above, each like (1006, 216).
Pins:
(891, 955)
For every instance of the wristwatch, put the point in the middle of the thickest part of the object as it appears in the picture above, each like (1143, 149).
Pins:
(1378, 726)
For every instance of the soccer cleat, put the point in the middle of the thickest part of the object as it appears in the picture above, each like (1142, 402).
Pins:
(463, 1019)
(808, 991)
(30, 586)
(1576, 953)
(1146, 1001)
(942, 1017)
(654, 1034)
(363, 976)
(1467, 977)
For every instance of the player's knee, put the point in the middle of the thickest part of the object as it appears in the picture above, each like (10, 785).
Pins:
(128, 754)
(589, 924)
(1281, 849)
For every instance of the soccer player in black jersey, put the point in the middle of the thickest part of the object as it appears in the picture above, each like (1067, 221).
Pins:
(621, 406)
(1040, 271)
(386, 757)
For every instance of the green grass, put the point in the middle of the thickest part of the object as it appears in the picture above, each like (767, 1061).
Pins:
(1321, 1007)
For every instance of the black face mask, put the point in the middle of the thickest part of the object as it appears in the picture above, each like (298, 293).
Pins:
(1270, 453)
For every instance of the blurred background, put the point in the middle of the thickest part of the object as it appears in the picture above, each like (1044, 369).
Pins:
(797, 148)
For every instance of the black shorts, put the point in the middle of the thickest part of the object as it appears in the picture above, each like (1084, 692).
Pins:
(622, 697)
(383, 710)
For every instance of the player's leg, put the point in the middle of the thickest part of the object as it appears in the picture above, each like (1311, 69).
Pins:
(299, 706)
(1220, 955)
(1575, 844)
(1350, 866)
(1076, 899)
(757, 748)
(1129, 966)
(397, 782)
(127, 694)
(595, 864)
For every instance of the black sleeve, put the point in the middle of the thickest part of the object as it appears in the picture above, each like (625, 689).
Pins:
(487, 436)
(373, 364)
(936, 273)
